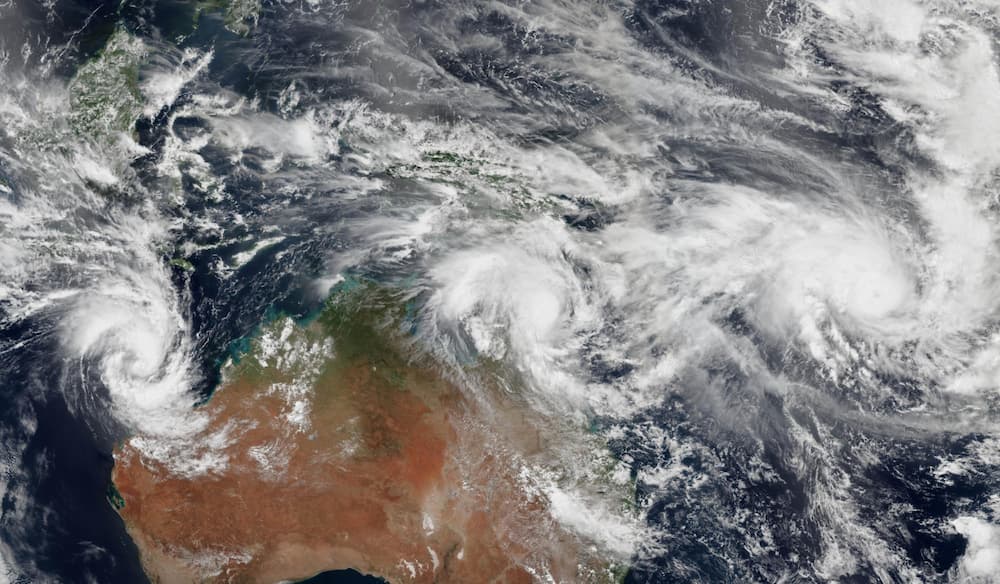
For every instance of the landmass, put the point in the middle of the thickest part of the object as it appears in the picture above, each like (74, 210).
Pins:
(339, 443)
(104, 93)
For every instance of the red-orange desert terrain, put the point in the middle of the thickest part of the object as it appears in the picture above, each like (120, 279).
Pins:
(396, 473)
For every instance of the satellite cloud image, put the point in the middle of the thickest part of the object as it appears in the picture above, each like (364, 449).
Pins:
(500, 291)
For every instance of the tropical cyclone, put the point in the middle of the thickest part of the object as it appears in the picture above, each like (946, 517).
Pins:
(344, 447)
